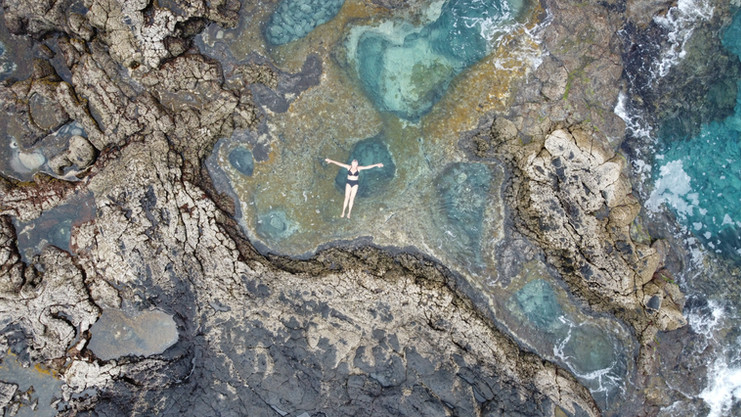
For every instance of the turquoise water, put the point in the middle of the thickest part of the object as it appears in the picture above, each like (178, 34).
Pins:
(294, 19)
(595, 356)
(241, 159)
(406, 69)
(696, 175)
(700, 177)
(428, 197)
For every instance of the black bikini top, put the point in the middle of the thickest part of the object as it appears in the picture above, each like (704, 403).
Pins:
(350, 174)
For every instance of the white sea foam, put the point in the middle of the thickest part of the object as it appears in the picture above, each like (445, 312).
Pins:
(634, 123)
(707, 324)
(675, 189)
(679, 21)
(724, 379)
(637, 127)
(724, 389)
(601, 381)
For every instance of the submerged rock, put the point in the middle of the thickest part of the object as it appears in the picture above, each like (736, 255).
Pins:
(405, 70)
(462, 194)
(294, 19)
(275, 225)
(538, 301)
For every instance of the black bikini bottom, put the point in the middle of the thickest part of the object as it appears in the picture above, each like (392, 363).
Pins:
(352, 183)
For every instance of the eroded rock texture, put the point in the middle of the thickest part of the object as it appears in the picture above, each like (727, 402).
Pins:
(254, 339)
(351, 332)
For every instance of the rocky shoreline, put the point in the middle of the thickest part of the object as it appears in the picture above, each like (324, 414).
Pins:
(355, 330)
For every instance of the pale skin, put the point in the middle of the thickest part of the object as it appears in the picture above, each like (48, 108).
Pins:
(351, 191)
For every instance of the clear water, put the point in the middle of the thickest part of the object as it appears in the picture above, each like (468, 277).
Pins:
(406, 69)
(22, 164)
(119, 333)
(374, 181)
(294, 19)
(437, 72)
(54, 226)
(241, 159)
(43, 386)
(546, 319)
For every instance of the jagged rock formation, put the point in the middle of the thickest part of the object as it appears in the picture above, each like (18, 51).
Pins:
(345, 342)
(350, 332)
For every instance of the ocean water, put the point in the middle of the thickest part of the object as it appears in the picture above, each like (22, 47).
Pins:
(700, 177)
(689, 169)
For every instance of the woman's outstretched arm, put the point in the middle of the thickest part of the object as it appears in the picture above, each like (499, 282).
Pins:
(370, 166)
(331, 161)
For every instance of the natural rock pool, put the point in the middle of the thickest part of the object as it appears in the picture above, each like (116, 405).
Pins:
(120, 333)
(400, 88)
(41, 387)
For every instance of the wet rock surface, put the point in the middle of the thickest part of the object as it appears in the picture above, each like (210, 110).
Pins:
(355, 330)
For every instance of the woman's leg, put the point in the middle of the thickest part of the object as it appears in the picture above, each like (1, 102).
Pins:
(353, 192)
(347, 200)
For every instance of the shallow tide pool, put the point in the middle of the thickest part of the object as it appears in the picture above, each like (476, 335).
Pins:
(400, 87)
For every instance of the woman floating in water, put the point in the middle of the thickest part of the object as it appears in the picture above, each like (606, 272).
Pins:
(351, 187)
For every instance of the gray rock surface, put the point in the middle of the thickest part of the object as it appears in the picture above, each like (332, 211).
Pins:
(349, 332)
(348, 343)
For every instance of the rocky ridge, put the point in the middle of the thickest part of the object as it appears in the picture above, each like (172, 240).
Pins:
(278, 336)
(571, 188)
